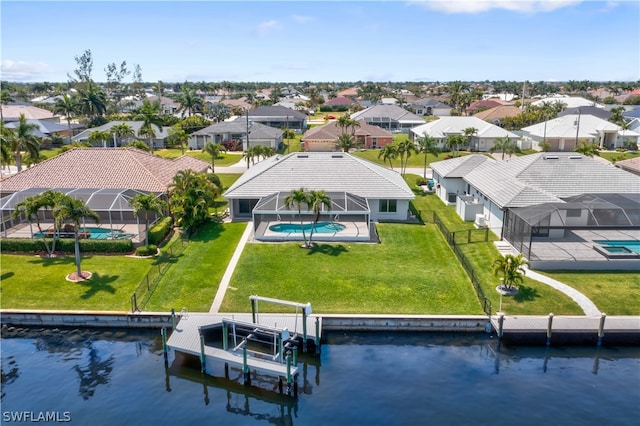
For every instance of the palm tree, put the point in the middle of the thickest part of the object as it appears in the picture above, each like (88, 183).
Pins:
(297, 199)
(249, 154)
(501, 145)
(30, 207)
(75, 211)
(189, 102)
(92, 100)
(149, 114)
(345, 142)
(388, 153)
(453, 142)
(316, 200)
(5, 98)
(616, 115)
(5, 144)
(67, 106)
(510, 268)
(469, 133)
(177, 136)
(587, 149)
(427, 145)
(288, 134)
(213, 149)
(23, 139)
(99, 136)
(149, 203)
(348, 125)
(123, 132)
(405, 148)
(190, 196)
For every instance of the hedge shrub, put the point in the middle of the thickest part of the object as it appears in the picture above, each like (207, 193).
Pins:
(66, 245)
(147, 251)
(160, 230)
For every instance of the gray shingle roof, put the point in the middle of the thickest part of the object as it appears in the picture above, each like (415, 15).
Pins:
(393, 112)
(276, 111)
(331, 172)
(256, 130)
(548, 177)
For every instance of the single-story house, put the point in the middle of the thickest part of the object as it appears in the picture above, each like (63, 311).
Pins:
(162, 133)
(486, 191)
(325, 137)
(587, 110)
(482, 105)
(389, 117)
(12, 112)
(568, 101)
(340, 101)
(563, 133)
(482, 141)
(46, 128)
(496, 114)
(279, 117)
(361, 191)
(430, 106)
(236, 130)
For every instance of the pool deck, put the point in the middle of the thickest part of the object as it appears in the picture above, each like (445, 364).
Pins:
(24, 230)
(353, 231)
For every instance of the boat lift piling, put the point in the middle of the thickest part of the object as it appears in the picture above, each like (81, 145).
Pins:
(304, 307)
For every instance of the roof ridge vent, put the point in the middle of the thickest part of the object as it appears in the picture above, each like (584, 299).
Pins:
(550, 157)
(575, 157)
(302, 156)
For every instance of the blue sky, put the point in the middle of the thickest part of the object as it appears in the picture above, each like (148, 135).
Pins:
(294, 41)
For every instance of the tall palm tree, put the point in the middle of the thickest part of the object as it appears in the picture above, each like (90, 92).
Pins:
(149, 203)
(100, 136)
(501, 145)
(297, 199)
(67, 106)
(5, 98)
(30, 207)
(427, 145)
(177, 136)
(469, 133)
(189, 102)
(453, 142)
(510, 268)
(5, 144)
(75, 211)
(23, 139)
(316, 200)
(149, 114)
(190, 196)
(123, 132)
(405, 148)
(388, 153)
(214, 150)
(345, 142)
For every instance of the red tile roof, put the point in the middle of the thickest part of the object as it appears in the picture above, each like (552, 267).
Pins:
(125, 168)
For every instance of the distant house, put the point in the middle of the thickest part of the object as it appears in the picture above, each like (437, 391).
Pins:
(340, 101)
(161, 134)
(587, 110)
(389, 117)
(46, 128)
(236, 103)
(349, 93)
(374, 193)
(430, 106)
(279, 117)
(325, 138)
(482, 141)
(12, 113)
(564, 133)
(495, 115)
(482, 105)
(236, 132)
(568, 101)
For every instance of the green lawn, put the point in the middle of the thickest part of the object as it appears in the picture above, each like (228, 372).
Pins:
(224, 159)
(613, 292)
(193, 280)
(619, 156)
(416, 160)
(413, 271)
(34, 282)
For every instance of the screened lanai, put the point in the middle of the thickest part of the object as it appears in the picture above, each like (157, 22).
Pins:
(576, 230)
(349, 212)
(112, 206)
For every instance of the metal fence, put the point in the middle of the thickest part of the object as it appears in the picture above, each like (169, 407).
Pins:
(150, 281)
(455, 238)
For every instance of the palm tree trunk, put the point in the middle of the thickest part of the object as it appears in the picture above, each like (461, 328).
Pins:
(151, 144)
(146, 230)
(69, 128)
(304, 235)
(18, 160)
(77, 248)
(424, 172)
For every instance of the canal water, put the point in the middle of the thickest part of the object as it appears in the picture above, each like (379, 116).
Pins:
(90, 377)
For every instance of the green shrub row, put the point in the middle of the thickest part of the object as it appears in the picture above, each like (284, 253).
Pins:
(66, 245)
(160, 230)
(147, 251)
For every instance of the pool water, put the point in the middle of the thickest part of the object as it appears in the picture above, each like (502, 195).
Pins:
(611, 245)
(94, 234)
(120, 377)
(296, 228)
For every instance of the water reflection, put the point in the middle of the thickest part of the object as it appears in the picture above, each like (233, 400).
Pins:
(96, 372)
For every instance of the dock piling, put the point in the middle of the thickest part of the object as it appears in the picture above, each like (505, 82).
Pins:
(164, 342)
(317, 340)
(289, 374)
(549, 327)
(203, 357)
(245, 367)
(603, 316)
(500, 324)
(173, 319)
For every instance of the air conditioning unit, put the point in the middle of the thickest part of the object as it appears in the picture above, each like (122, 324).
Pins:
(480, 221)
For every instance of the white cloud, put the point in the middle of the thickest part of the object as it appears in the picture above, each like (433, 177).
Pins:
(302, 19)
(266, 27)
(477, 6)
(23, 71)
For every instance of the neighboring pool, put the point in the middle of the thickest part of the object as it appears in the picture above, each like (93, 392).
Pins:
(296, 228)
(620, 246)
(94, 234)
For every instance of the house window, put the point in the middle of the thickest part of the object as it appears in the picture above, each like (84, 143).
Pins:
(574, 213)
(374, 142)
(245, 206)
(388, 206)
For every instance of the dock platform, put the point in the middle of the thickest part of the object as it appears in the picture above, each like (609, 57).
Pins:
(185, 338)
(569, 329)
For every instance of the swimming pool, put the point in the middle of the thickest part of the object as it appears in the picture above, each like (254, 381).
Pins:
(619, 246)
(95, 233)
(296, 228)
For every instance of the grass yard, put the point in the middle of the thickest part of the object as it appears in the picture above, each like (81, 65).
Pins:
(225, 159)
(193, 280)
(613, 292)
(34, 282)
(619, 156)
(413, 271)
(416, 160)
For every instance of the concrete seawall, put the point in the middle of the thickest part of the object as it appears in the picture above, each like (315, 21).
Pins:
(434, 323)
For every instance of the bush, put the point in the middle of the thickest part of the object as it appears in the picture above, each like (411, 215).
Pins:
(421, 181)
(66, 245)
(147, 251)
(160, 230)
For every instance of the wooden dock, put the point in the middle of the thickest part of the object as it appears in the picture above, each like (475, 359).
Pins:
(186, 339)
(569, 329)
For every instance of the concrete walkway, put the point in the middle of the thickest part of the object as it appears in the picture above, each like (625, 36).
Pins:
(583, 301)
(224, 283)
